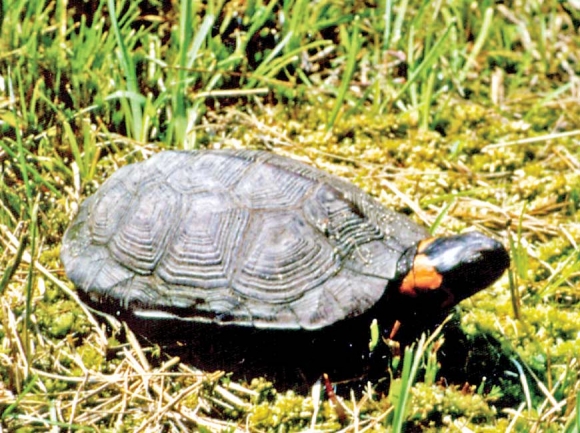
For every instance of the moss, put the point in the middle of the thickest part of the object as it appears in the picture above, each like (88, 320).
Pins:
(291, 412)
(91, 357)
(434, 404)
(62, 317)
(265, 389)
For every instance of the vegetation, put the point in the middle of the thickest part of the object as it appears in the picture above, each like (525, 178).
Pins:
(461, 113)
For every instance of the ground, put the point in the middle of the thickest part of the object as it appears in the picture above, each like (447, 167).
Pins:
(460, 114)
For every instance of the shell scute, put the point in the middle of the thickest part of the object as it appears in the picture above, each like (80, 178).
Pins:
(140, 240)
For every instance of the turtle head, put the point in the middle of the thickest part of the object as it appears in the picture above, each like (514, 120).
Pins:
(440, 272)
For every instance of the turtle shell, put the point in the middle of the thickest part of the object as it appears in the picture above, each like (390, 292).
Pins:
(244, 238)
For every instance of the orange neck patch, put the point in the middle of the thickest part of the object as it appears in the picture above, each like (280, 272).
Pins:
(423, 276)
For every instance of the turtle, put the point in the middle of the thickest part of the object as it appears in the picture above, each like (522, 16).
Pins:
(246, 255)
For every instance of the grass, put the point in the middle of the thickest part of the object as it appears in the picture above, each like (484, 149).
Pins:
(464, 114)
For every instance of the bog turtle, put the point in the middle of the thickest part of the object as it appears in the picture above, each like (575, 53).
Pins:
(247, 252)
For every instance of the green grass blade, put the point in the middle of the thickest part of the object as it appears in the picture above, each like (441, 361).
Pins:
(388, 20)
(411, 361)
(438, 49)
(299, 11)
(38, 179)
(259, 19)
(427, 99)
(30, 277)
(479, 42)
(179, 120)
(354, 46)
(128, 67)
(578, 411)
(441, 215)
(13, 266)
(568, 267)
(200, 36)
(398, 25)
(8, 411)
(265, 65)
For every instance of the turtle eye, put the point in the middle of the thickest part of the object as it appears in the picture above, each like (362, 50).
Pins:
(468, 263)
(447, 270)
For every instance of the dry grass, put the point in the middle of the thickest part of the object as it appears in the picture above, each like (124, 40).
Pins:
(463, 114)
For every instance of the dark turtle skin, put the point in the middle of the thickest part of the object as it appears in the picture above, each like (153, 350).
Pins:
(248, 255)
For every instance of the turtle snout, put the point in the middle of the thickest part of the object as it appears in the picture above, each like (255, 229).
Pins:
(468, 263)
